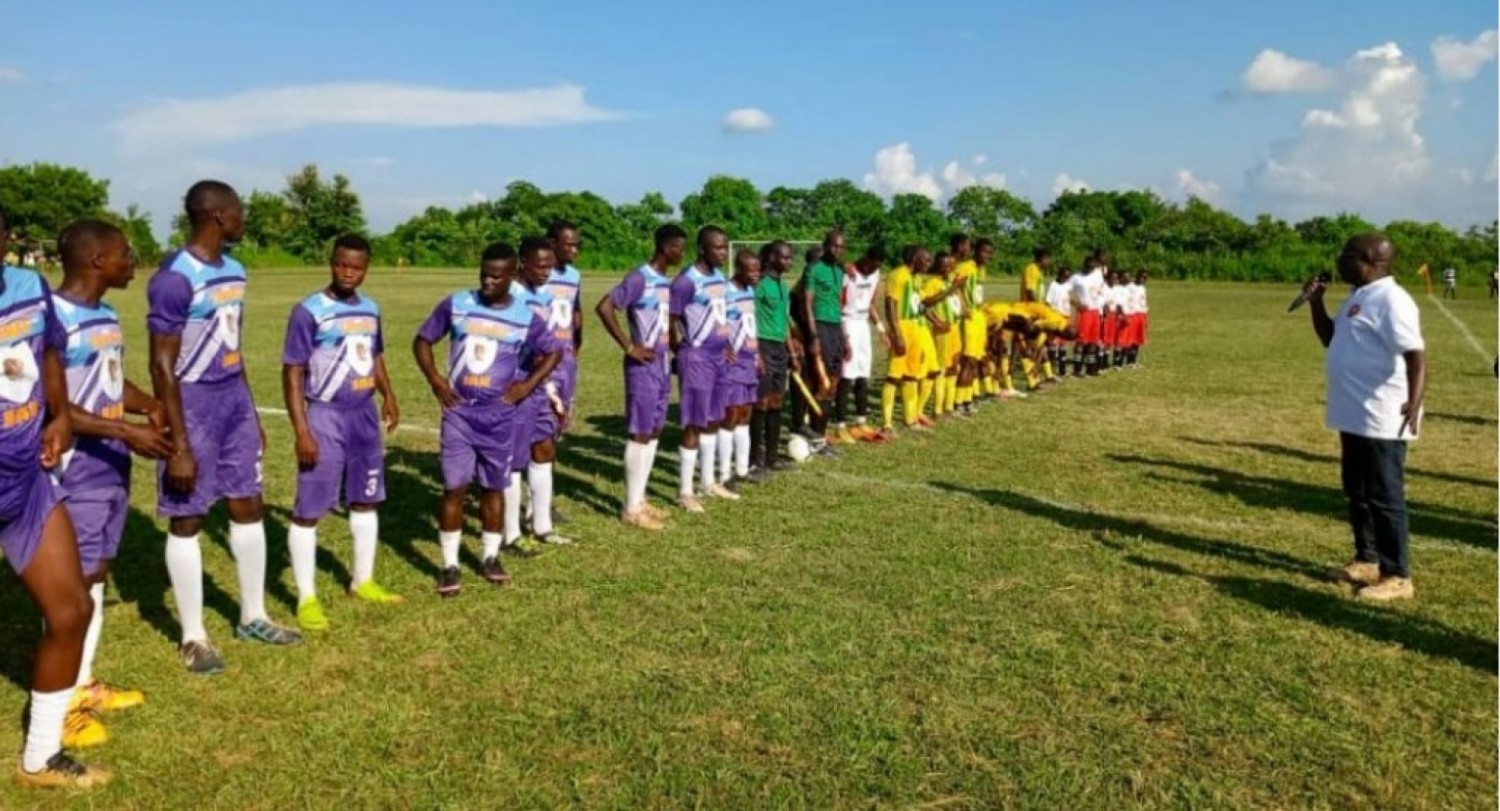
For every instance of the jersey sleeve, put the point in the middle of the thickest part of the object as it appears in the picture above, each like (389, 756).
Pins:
(54, 334)
(379, 342)
(1404, 329)
(539, 337)
(301, 329)
(682, 295)
(168, 297)
(628, 291)
(437, 324)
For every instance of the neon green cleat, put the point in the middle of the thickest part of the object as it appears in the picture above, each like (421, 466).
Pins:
(310, 616)
(372, 592)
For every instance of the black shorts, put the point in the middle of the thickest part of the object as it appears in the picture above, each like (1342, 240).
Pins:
(773, 356)
(831, 342)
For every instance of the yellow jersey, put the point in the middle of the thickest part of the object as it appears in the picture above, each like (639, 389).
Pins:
(972, 291)
(996, 312)
(943, 309)
(1031, 281)
(901, 287)
(1043, 317)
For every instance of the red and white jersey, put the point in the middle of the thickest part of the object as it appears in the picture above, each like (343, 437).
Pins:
(1140, 299)
(1089, 290)
(859, 295)
(1058, 296)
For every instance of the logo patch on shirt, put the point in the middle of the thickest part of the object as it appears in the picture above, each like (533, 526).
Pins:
(1353, 311)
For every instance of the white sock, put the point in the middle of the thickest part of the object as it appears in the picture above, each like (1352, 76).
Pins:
(742, 450)
(512, 526)
(637, 470)
(365, 527)
(448, 542)
(91, 639)
(185, 569)
(708, 448)
(689, 458)
(248, 543)
(45, 732)
(489, 543)
(539, 476)
(302, 544)
(726, 454)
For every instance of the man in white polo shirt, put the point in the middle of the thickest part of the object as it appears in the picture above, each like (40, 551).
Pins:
(1376, 375)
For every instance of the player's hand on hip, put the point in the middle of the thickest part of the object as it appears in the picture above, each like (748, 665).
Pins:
(896, 345)
(307, 450)
(515, 393)
(446, 396)
(642, 354)
(182, 471)
(148, 441)
(392, 414)
(56, 438)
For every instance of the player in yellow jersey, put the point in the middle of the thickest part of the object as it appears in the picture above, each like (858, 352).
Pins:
(1045, 324)
(940, 296)
(912, 348)
(1033, 275)
(1002, 325)
(968, 274)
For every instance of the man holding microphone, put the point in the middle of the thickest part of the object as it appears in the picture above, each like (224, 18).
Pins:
(1376, 375)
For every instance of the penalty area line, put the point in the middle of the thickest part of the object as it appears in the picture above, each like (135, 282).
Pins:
(1462, 327)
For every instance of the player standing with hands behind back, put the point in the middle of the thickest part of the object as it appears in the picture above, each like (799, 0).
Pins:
(1376, 373)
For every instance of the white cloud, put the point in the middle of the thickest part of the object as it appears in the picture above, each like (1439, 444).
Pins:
(957, 176)
(1064, 183)
(1193, 186)
(896, 173)
(1457, 60)
(9, 75)
(746, 120)
(175, 124)
(1274, 72)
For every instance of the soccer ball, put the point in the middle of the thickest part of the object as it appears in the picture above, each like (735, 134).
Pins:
(798, 449)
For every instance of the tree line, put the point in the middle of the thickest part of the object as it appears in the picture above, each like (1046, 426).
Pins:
(1192, 240)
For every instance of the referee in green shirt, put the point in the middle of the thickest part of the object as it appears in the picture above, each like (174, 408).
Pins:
(778, 353)
(823, 287)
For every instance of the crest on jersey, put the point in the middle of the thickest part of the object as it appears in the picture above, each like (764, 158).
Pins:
(111, 373)
(227, 324)
(479, 354)
(1353, 311)
(18, 372)
(359, 354)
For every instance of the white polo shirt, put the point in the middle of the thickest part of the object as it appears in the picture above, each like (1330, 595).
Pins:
(1364, 369)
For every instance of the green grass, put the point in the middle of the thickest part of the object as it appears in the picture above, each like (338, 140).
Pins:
(1105, 596)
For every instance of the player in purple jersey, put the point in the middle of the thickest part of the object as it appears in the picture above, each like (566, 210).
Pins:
(95, 473)
(565, 245)
(742, 377)
(644, 295)
(196, 301)
(499, 352)
(36, 536)
(333, 362)
(700, 346)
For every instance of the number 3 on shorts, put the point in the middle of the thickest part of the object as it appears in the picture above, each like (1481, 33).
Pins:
(372, 483)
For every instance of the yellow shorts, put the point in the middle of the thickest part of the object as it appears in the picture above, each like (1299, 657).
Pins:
(918, 342)
(975, 335)
(950, 347)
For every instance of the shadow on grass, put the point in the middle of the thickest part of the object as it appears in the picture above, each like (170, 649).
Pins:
(1466, 419)
(1372, 621)
(1299, 454)
(139, 573)
(1268, 493)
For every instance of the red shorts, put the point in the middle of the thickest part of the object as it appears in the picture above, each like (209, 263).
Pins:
(1145, 322)
(1111, 329)
(1089, 326)
(1137, 323)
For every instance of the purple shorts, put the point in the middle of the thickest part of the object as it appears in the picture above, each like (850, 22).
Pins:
(566, 375)
(526, 429)
(99, 521)
(700, 395)
(351, 459)
(224, 433)
(28, 501)
(647, 389)
(547, 423)
(477, 439)
(741, 386)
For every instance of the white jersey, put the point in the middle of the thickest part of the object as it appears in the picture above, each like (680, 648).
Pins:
(859, 295)
(1058, 296)
(1141, 305)
(1131, 300)
(1088, 290)
(1119, 296)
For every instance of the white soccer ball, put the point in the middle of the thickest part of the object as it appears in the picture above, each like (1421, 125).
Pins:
(798, 449)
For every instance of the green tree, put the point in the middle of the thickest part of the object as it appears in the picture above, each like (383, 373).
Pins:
(319, 212)
(911, 220)
(790, 213)
(137, 227)
(42, 198)
(644, 217)
(731, 203)
(268, 220)
(841, 204)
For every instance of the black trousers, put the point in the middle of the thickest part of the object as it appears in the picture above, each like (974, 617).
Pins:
(1374, 474)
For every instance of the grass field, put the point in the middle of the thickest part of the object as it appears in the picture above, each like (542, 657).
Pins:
(1105, 596)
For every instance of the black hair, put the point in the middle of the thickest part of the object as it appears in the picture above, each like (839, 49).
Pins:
(531, 245)
(983, 242)
(876, 253)
(556, 228)
(1040, 253)
(666, 233)
(705, 232)
(813, 255)
(956, 240)
(351, 242)
(769, 249)
(84, 235)
(742, 255)
(498, 252)
(204, 198)
(829, 237)
(909, 254)
(937, 258)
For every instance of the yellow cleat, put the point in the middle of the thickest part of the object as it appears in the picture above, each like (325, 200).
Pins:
(83, 730)
(96, 696)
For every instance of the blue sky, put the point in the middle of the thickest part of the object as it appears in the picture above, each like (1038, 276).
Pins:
(1294, 108)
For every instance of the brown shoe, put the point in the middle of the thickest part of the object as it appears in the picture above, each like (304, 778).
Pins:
(1357, 572)
(642, 520)
(656, 512)
(1389, 588)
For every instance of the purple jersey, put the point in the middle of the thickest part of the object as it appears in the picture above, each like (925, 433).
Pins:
(203, 303)
(28, 326)
(486, 345)
(742, 331)
(646, 295)
(337, 342)
(699, 300)
(95, 363)
(561, 296)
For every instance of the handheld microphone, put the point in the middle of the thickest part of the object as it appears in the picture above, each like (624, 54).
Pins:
(1319, 280)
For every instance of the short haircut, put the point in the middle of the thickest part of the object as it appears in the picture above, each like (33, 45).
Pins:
(875, 253)
(744, 255)
(351, 242)
(770, 248)
(204, 198)
(813, 255)
(82, 236)
(1040, 253)
(983, 242)
(937, 258)
(956, 240)
(707, 231)
(498, 252)
(909, 254)
(557, 227)
(828, 238)
(531, 246)
(666, 233)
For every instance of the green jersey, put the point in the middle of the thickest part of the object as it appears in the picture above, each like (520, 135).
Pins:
(772, 307)
(825, 283)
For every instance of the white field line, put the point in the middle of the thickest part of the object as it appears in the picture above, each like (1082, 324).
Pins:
(421, 429)
(1159, 519)
(1462, 328)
